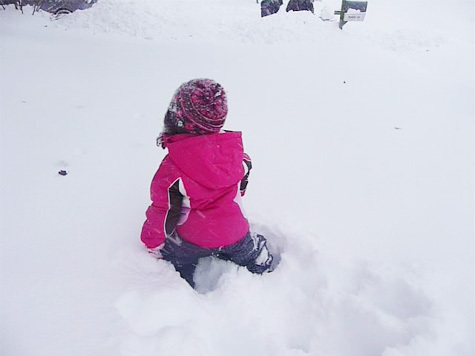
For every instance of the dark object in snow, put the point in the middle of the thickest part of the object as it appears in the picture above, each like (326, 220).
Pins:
(62, 172)
(397, 128)
(55, 7)
(269, 7)
(300, 5)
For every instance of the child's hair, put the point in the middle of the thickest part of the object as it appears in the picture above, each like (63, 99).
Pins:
(197, 107)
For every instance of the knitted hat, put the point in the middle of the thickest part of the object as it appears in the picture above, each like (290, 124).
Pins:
(198, 106)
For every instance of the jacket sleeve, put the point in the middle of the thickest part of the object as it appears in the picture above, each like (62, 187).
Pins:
(163, 214)
(246, 161)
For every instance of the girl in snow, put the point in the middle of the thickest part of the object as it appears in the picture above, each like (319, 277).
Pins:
(196, 193)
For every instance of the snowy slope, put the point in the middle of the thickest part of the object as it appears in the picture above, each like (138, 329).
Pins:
(362, 143)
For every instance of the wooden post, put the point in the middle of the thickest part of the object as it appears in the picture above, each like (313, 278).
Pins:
(359, 6)
(342, 15)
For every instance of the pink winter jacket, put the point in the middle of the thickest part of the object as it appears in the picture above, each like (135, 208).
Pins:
(197, 191)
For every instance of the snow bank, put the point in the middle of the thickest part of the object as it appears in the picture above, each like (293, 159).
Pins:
(311, 304)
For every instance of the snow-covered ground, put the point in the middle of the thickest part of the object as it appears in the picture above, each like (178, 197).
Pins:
(363, 148)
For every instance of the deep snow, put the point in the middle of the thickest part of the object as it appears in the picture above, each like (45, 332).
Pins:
(363, 148)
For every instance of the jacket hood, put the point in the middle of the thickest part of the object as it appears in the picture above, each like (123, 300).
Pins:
(214, 161)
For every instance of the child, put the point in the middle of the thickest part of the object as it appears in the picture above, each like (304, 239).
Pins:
(196, 193)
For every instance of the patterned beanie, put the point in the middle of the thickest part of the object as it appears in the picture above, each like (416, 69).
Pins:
(198, 106)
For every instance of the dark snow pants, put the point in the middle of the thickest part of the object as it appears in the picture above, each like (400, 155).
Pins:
(185, 256)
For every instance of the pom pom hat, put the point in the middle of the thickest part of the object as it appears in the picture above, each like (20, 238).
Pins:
(197, 107)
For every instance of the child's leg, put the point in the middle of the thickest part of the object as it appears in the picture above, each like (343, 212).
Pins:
(250, 252)
(184, 256)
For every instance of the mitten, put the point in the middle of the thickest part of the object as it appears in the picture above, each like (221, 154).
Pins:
(156, 251)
